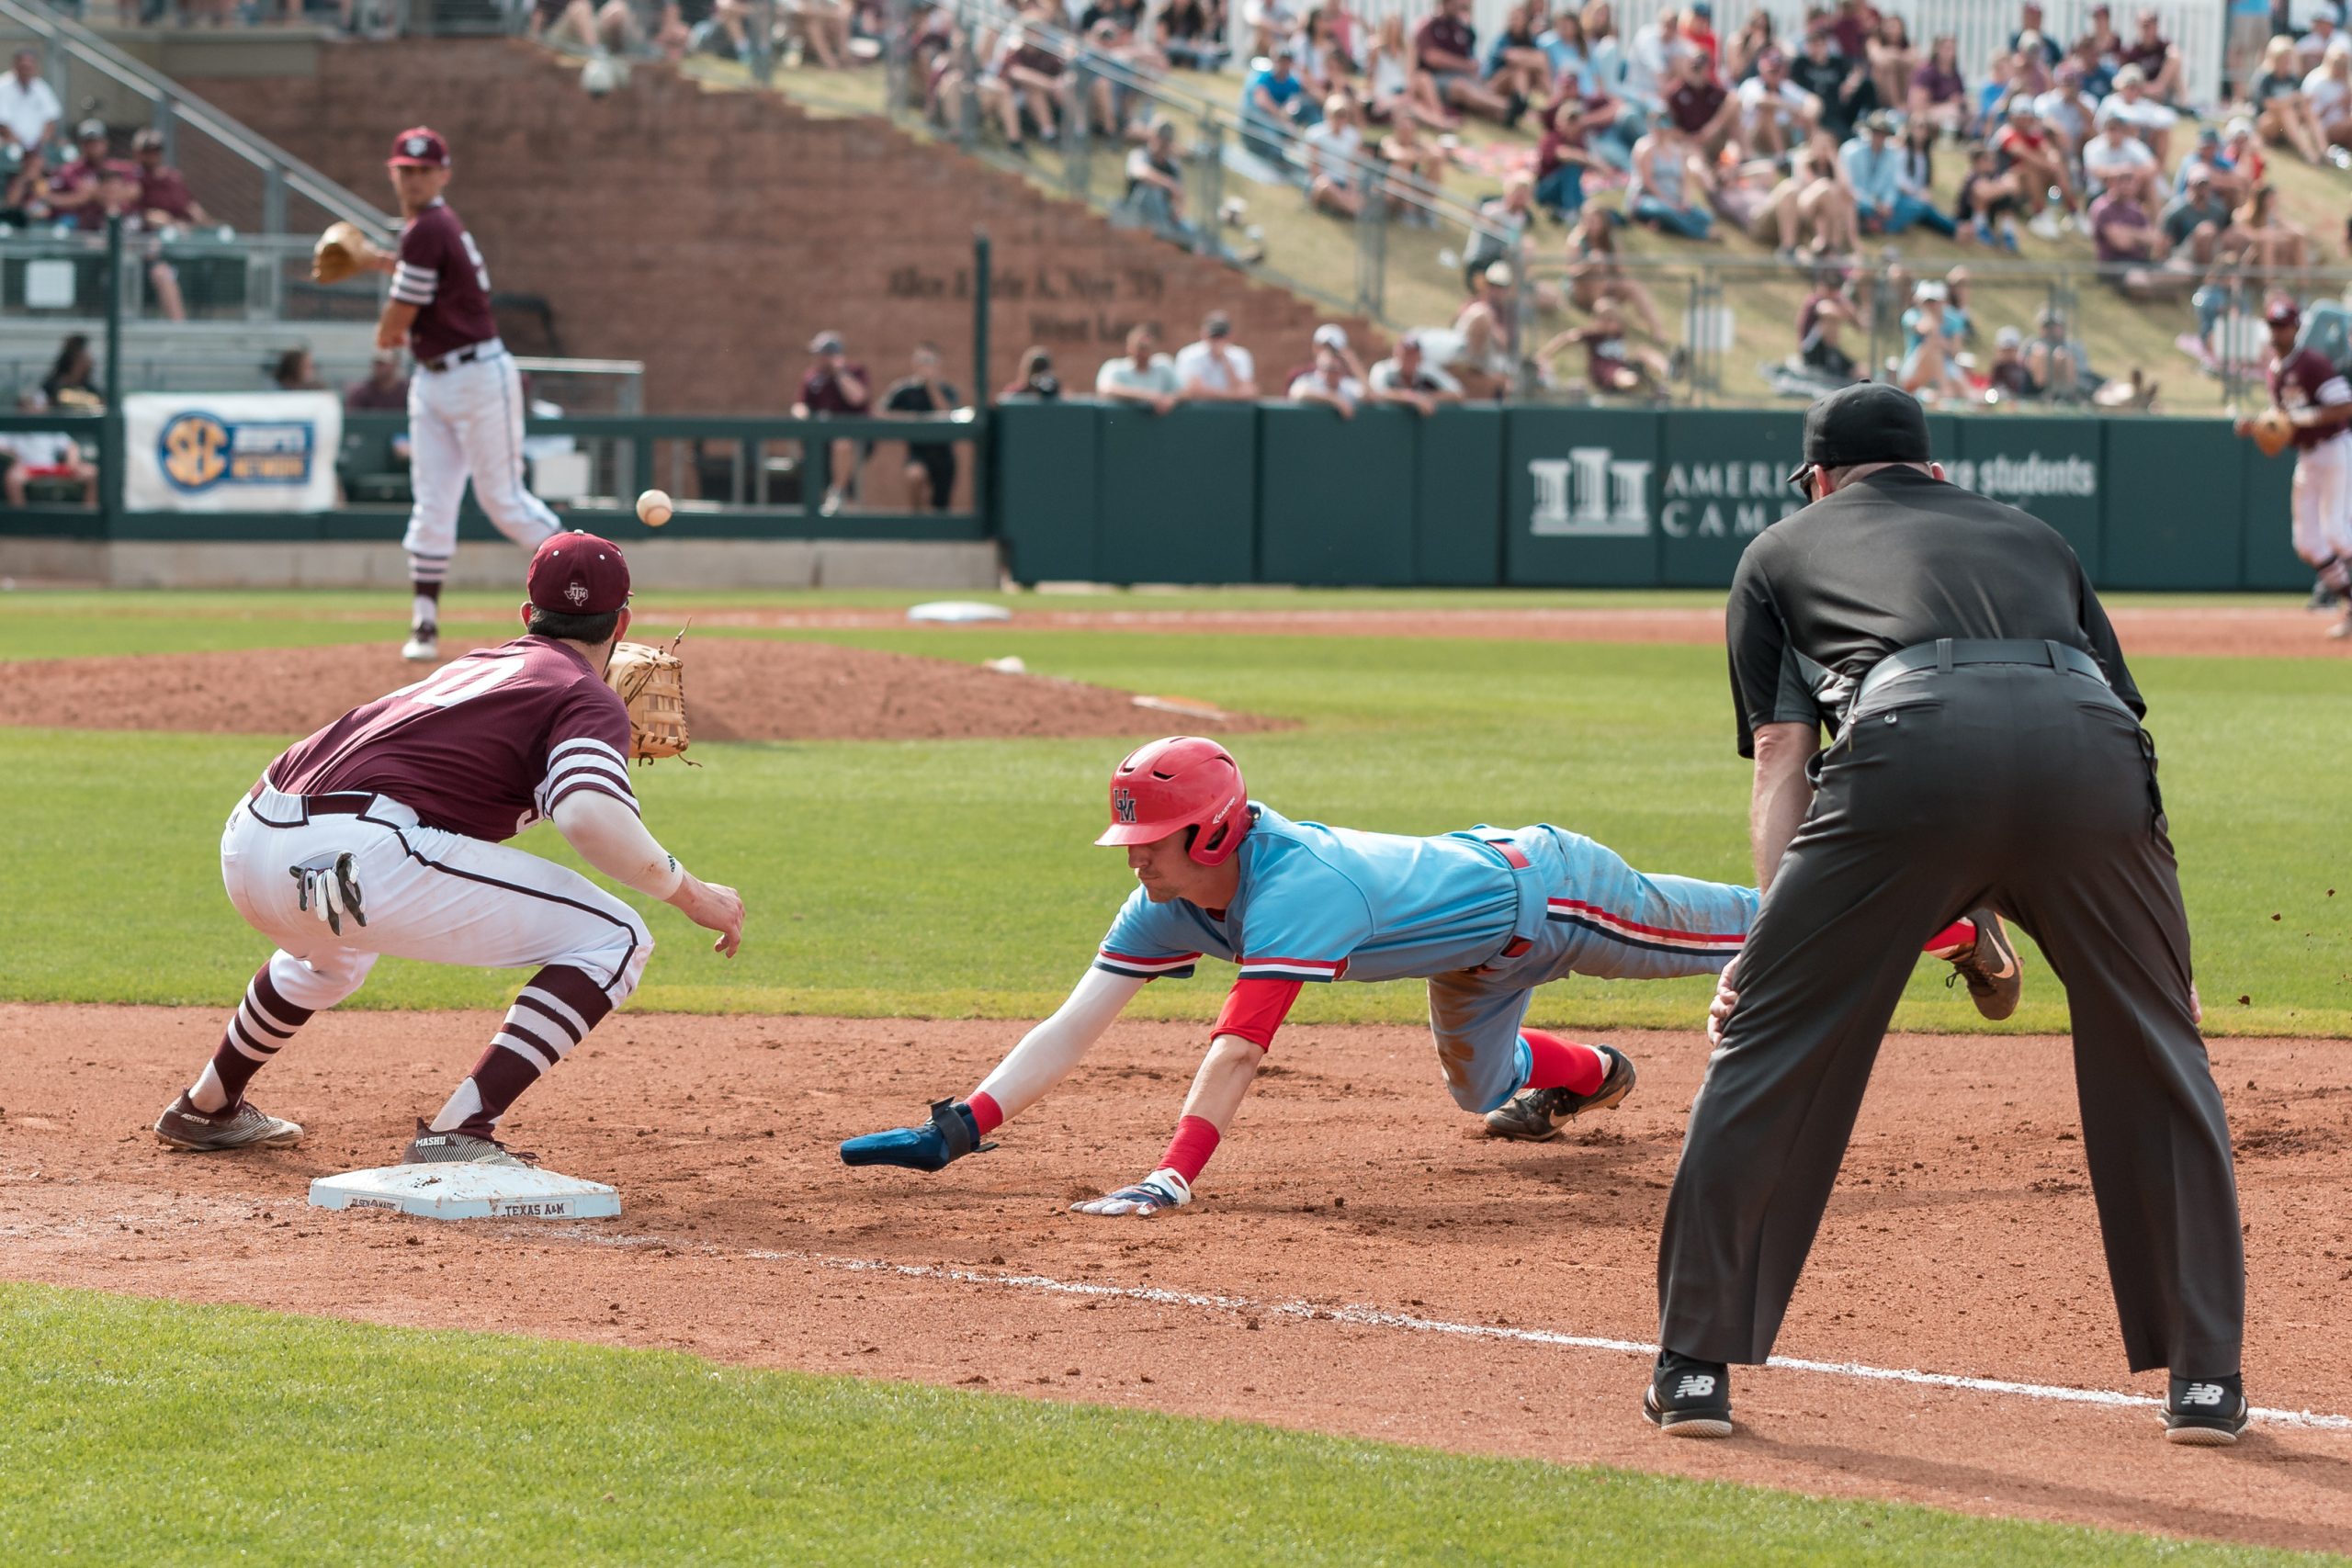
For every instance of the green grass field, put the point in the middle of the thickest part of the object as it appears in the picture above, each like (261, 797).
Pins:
(1630, 744)
(149, 1432)
(904, 878)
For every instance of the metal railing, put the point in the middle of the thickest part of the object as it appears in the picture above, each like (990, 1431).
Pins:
(243, 180)
(216, 273)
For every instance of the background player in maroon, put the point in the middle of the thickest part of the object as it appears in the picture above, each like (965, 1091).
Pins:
(381, 834)
(2318, 399)
(465, 403)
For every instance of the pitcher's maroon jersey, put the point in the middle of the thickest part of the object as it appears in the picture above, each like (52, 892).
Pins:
(2304, 379)
(441, 272)
(484, 746)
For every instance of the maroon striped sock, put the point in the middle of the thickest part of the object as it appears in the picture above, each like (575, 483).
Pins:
(553, 1014)
(263, 1024)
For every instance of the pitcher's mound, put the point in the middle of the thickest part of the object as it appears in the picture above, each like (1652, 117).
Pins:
(736, 689)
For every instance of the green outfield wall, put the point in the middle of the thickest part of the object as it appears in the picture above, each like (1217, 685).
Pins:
(1553, 497)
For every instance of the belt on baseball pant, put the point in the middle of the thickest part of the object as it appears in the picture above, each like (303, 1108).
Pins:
(488, 349)
(1524, 876)
(1945, 654)
(274, 807)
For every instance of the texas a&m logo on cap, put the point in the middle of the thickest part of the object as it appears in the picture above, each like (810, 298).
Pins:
(576, 591)
(1122, 804)
(420, 147)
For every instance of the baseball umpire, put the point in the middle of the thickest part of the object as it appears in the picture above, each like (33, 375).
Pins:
(1986, 749)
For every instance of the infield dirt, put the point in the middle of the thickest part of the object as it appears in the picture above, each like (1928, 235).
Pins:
(1961, 1240)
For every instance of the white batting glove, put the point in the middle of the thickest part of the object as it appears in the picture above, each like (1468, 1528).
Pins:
(330, 891)
(1164, 1188)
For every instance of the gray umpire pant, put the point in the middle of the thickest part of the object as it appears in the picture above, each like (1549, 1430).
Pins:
(2032, 790)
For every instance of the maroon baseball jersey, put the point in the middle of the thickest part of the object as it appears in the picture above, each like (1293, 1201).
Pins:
(484, 746)
(2304, 379)
(164, 189)
(441, 272)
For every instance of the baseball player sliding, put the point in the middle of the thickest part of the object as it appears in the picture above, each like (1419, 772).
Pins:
(1485, 916)
(465, 403)
(381, 833)
(2317, 402)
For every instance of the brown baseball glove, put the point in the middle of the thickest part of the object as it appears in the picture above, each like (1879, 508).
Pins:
(342, 252)
(652, 682)
(2274, 428)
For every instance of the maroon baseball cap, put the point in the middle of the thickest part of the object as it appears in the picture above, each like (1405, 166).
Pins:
(418, 147)
(578, 574)
(2283, 312)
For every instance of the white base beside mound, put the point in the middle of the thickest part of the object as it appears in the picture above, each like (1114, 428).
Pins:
(459, 1190)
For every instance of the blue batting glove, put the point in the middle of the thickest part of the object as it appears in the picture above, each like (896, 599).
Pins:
(950, 1135)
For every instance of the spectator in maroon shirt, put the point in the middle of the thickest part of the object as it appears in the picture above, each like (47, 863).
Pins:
(1699, 108)
(2159, 61)
(163, 192)
(71, 190)
(384, 391)
(1938, 91)
(1446, 46)
(835, 384)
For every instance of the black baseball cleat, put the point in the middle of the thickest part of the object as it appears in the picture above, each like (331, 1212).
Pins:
(1689, 1397)
(1541, 1114)
(1995, 979)
(2205, 1413)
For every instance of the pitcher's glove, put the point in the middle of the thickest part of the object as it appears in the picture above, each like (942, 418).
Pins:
(2272, 430)
(652, 682)
(950, 1135)
(342, 252)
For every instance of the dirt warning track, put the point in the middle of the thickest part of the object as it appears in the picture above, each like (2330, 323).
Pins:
(1359, 1261)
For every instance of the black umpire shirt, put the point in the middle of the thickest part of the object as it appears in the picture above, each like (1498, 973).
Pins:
(1892, 560)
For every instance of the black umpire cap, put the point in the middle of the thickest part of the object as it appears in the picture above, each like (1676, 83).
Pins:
(1867, 422)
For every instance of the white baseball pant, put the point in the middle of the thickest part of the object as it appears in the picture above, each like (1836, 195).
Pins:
(426, 894)
(2323, 499)
(466, 423)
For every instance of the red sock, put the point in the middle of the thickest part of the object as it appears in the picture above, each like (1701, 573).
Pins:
(987, 1115)
(1188, 1150)
(1960, 933)
(1554, 1063)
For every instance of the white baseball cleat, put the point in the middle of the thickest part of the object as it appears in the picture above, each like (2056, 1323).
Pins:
(423, 644)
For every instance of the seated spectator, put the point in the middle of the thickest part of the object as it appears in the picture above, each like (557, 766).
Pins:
(2262, 238)
(1417, 168)
(823, 28)
(28, 116)
(1142, 375)
(1939, 94)
(1503, 221)
(1330, 383)
(1271, 25)
(1749, 45)
(2059, 363)
(1612, 364)
(2069, 110)
(1845, 88)
(2023, 149)
(295, 371)
(1036, 383)
(1274, 108)
(1874, 170)
(2123, 232)
(1154, 194)
(1821, 322)
(1516, 66)
(1993, 95)
(1698, 109)
(1335, 170)
(384, 391)
(2328, 90)
(1666, 171)
(2148, 119)
(2159, 61)
(2281, 113)
(117, 198)
(2197, 223)
(1192, 34)
(1635, 70)
(610, 28)
(1112, 59)
(2100, 49)
(163, 197)
(1446, 46)
(1561, 157)
(1894, 61)
(1815, 199)
(2008, 375)
(1569, 63)
(2322, 31)
(1775, 114)
(835, 384)
(29, 454)
(1595, 274)
(2115, 154)
(1399, 88)
(1217, 369)
(1917, 180)
(725, 33)
(1316, 61)
(1333, 336)
(1488, 326)
(70, 191)
(2031, 71)
(1930, 369)
(1699, 34)
(1406, 377)
(70, 384)
(931, 465)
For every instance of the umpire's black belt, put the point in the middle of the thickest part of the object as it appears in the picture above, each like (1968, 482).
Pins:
(1949, 653)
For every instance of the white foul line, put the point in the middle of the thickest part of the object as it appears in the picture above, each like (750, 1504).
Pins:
(1379, 1318)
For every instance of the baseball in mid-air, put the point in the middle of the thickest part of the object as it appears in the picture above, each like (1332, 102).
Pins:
(653, 508)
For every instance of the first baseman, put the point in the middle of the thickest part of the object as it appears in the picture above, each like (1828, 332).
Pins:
(2318, 399)
(381, 834)
(1484, 916)
(465, 402)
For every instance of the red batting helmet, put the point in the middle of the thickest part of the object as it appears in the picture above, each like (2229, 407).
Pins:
(1182, 781)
